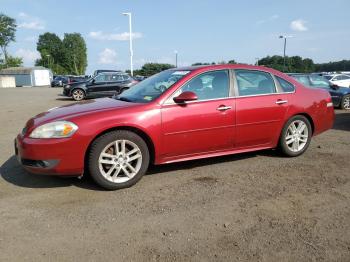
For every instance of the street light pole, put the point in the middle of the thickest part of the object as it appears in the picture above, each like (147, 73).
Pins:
(257, 61)
(284, 50)
(176, 54)
(130, 43)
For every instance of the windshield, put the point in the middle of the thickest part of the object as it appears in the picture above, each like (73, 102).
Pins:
(328, 77)
(151, 88)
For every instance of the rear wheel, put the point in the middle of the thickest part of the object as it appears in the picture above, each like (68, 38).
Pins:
(118, 159)
(78, 94)
(296, 136)
(345, 102)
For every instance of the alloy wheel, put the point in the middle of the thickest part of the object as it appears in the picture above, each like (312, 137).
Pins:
(297, 136)
(78, 95)
(346, 103)
(120, 161)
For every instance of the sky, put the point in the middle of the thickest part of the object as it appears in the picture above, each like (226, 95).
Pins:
(199, 30)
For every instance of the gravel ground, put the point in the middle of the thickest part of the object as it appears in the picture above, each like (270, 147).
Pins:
(248, 207)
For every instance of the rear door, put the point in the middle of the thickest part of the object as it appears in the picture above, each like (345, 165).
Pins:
(114, 83)
(260, 108)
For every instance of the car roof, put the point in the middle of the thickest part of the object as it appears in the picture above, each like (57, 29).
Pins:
(225, 66)
(113, 73)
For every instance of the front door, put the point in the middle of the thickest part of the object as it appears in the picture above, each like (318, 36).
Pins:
(96, 85)
(202, 126)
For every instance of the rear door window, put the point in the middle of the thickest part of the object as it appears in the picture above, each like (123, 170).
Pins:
(253, 82)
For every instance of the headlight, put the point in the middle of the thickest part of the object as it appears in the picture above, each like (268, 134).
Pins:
(67, 86)
(58, 129)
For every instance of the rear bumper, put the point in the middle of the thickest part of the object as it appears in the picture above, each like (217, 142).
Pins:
(49, 156)
(324, 119)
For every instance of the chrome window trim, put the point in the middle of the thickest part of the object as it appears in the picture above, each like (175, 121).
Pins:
(170, 101)
(270, 94)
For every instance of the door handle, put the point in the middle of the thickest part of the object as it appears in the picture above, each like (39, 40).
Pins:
(280, 102)
(224, 108)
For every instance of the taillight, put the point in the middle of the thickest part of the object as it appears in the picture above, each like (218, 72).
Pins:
(329, 101)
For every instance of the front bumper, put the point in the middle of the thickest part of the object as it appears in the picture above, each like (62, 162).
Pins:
(66, 92)
(49, 156)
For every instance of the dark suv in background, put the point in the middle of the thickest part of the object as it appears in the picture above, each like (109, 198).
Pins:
(59, 81)
(340, 95)
(104, 84)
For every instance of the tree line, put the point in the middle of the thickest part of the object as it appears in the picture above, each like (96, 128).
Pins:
(69, 55)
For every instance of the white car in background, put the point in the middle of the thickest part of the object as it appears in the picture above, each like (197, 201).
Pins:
(339, 79)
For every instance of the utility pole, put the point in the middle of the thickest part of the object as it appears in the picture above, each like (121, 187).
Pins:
(130, 43)
(176, 55)
(284, 49)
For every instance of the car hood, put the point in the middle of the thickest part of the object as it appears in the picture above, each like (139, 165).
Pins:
(76, 109)
(343, 90)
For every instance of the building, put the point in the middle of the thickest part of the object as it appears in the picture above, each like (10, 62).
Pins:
(7, 81)
(29, 76)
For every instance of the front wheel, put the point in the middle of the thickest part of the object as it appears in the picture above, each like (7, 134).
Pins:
(296, 136)
(118, 159)
(345, 102)
(78, 94)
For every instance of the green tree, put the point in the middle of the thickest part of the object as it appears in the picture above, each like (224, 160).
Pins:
(200, 63)
(294, 64)
(232, 62)
(149, 69)
(51, 50)
(7, 33)
(75, 57)
(343, 65)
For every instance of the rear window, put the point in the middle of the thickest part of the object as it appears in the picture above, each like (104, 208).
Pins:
(285, 85)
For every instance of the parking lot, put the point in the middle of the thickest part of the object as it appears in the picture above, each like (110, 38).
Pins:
(249, 207)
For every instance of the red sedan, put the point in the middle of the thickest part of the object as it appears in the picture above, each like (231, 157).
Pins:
(177, 115)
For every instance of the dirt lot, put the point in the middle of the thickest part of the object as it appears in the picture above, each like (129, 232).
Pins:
(248, 207)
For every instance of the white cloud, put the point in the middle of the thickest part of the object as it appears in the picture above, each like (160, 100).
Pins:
(30, 22)
(23, 15)
(32, 25)
(99, 35)
(298, 25)
(271, 18)
(107, 56)
(28, 56)
(30, 39)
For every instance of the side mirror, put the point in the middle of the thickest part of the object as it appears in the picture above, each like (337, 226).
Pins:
(334, 86)
(185, 97)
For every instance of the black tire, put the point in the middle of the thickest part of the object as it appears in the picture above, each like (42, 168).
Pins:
(100, 144)
(78, 94)
(285, 150)
(345, 102)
